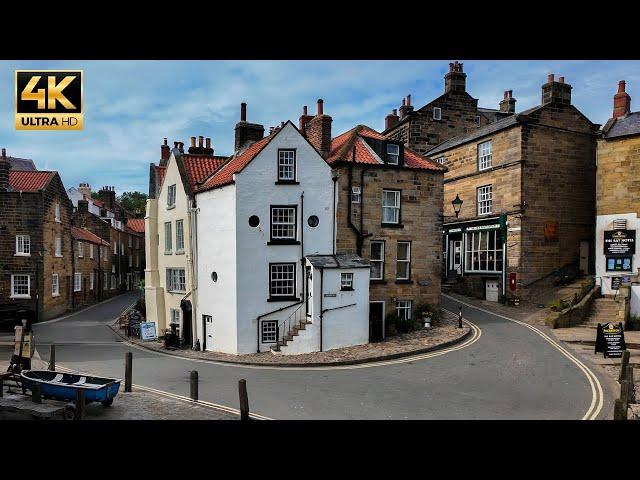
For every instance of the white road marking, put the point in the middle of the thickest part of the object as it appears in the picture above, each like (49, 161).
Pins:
(596, 389)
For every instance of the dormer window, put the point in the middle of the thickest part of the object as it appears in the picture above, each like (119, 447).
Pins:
(286, 165)
(437, 113)
(393, 154)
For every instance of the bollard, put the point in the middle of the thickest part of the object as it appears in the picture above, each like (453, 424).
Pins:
(36, 393)
(1, 387)
(623, 365)
(194, 385)
(624, 391)
(244, 400)
(619, 410)
(632, 391)
(79, 404)
(52, 357)
(128, 371)
(460, 317)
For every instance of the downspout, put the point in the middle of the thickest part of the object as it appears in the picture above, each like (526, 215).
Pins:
(302, 245)
(333, 226)
(73, 275)
(351, 225)
(321, 296)
(193, 252)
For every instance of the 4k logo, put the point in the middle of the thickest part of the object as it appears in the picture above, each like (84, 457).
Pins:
(49, 100)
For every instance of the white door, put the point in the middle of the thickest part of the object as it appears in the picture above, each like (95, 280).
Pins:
(491, 287)
(208, 332)
(584, 257)
(456, 256)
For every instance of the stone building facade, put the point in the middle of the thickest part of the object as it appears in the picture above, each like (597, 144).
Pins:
(525, 214)
(453, 113)
(89, 267)
(618, 198)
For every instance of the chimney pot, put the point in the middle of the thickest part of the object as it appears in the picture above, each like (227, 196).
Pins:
(208, 142)
(193, 141)
(550, 78)
(304, 110)
(320, 106)
(165, 141)
(243, 112)
(621, 87)
(561, 79)
(395, 111)
(4, 153)
(404, 101)
(409, 100)
(621, 101)
(200, 141)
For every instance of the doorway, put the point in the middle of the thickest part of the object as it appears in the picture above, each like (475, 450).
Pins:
(185, 306)
(376, 321)
(455, 256)
(309, 305)
(208, 332)
(492, 288)
(584, 257)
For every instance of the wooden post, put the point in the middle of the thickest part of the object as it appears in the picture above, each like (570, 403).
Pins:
(79, 404)
(624, 391)
(194, 385)
(623, 365)
(244, 400)
(128, 371)
(36, 393)
(1, 387)
(619, 410)
(631, 388)
(52, 357)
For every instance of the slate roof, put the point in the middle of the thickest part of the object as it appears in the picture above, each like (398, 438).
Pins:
(22, 164)
(29, 181)
(623, 126)
(340, 260)
(87, 236)
(342, 148)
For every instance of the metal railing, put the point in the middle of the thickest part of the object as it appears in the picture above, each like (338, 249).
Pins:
(285, 328)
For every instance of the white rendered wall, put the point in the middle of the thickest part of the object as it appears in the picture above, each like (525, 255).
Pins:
(75, 195)
(605, 222)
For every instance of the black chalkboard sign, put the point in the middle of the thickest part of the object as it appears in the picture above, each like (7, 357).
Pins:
(615, 283)
(610, 340)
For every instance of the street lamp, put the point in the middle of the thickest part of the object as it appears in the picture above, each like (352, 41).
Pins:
(457, 204)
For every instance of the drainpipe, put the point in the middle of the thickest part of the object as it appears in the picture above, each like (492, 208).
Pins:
(334, 177)
(302, 244)
(193, 260)
(321, 296)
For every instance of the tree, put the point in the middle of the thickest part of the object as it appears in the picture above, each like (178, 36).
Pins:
(135, 202)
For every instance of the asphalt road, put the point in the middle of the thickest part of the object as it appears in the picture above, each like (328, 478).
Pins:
(510, 372)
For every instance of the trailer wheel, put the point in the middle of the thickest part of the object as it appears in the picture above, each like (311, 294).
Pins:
(108, 402)
(70, 412)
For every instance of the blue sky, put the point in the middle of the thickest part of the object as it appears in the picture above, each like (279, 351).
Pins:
(131, 105)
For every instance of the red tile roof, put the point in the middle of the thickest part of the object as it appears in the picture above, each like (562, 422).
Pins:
(136, 224)
(342, 150)
(87, 236)
(224, 175)
(29, 181)
(97, 203)
(199, 167)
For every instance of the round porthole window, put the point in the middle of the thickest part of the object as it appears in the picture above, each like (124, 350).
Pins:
(214, 276)
(254, 221)
(313, 221)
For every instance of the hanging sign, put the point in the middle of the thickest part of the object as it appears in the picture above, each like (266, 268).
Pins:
(619, 242)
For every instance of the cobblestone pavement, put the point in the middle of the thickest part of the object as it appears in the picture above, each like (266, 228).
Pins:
(447, 331)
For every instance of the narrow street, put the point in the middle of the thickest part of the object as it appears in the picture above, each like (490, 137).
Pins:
(510, 372)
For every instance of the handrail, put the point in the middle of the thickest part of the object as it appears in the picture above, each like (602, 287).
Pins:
(284, 328)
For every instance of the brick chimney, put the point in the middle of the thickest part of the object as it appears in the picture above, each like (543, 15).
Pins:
(621, 101)
(245, 131)
(83, 206)
(165, 153)
(455, 80)
(391, 119)
(85, 190)
(556, 91)
(108, 196)
(304, 120)
(406, 106)
(319, 131)
(508, 103)
(5, 166)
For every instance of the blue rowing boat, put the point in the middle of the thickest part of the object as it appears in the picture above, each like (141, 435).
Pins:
(63, 386)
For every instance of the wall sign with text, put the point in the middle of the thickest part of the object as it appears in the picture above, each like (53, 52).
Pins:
(619, 242)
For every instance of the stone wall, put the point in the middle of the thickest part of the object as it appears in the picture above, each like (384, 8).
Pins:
(618, 182)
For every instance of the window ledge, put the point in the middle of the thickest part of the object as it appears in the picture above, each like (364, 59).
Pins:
(59, 256)
(21, 254)
(178, 252)
(54, 295)
(346, 289)
(404, 282)
(57, 220)
(287, 182)
(177, 292)
(283, 299)
(380, 281)
(20, 296)
(283, 242)
(171, 207)
(391, 225)
(168, 253)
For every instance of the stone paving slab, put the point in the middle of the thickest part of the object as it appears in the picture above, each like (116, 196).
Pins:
(420, 341)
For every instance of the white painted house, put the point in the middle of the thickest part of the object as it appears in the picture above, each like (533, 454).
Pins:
(266, 229)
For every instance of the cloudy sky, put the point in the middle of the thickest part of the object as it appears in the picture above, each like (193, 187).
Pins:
(131, 105)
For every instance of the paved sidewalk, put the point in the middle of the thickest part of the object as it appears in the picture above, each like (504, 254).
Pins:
(420, 341)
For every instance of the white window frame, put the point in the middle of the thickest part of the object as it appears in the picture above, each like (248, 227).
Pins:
(179, 236)
(406, 260)
(14, 277)
(137, 243)
(394, 207)
(91, 256)
(280, 226)
(395, 156)
(168, 238)
(484, 198)
(114, 282)
(377, 260)
(92, 279)
(130, 241)
(105, 283)
(404, 309)
(175, 316)
(115, 248)
(56, 214)
(176, 280)
(55, 285)
(130, 260)
(171, 196)
(437, 113)
(485, 155)
(346, 281)
(269, 331)
(474, 245)
(441, 160)
(356, 194)
(137, 260)
(104, 254)
(58, 247)
(77, 282)
(287, 165)
(282, 280)
(80, 250)
(23, 245)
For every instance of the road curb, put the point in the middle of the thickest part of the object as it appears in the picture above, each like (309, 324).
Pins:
(360, 361)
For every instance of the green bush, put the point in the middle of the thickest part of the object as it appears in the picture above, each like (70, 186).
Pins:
(634, 322)
(557, 305)
(405, 326)
(141, 306)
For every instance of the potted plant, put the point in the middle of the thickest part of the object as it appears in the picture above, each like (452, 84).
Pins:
(425, 314)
